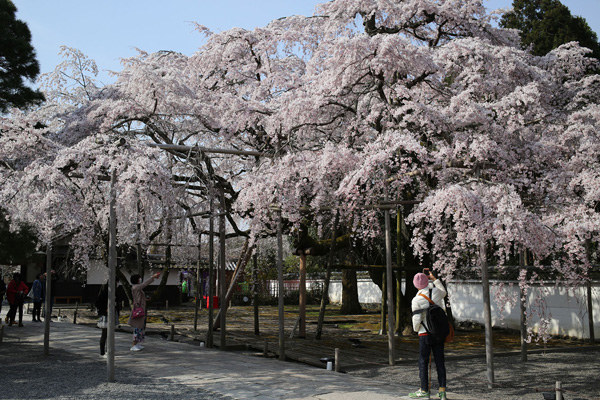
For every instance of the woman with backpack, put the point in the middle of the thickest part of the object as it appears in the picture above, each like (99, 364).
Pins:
(428, 342)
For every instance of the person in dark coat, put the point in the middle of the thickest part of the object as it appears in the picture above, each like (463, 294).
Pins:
(16, 292)
(2, 292)
(102, 310)
(38, 292)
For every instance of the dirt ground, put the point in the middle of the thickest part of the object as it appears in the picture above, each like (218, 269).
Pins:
(363, 351)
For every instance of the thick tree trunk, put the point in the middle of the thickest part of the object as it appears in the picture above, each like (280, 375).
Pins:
(350, 303)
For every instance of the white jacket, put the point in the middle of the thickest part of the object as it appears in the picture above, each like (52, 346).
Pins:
(419, 302)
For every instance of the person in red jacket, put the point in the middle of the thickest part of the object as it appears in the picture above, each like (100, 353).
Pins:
(15, 293)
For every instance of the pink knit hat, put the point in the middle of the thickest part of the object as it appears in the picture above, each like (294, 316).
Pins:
(420, 281)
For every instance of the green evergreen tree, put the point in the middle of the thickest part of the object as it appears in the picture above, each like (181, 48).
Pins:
(15, 246)
(17, 61)
(547, 24)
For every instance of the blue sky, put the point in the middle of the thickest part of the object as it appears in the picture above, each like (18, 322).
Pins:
(108, 30)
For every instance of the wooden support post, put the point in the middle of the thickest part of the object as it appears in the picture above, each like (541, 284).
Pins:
(559, 395)
(590, 304)
(211, 266)
(222, 276)
(390, 289)
(172, 333)
(266, 349)
(75, 313)
(383, 319)
(112, 268)
(487, 314)
(337, 360)
(198, 283)
(325, 295)
(590, 307)
(280, 289)
(523, 308)
(255, 299)
(302, 296)
(47, 300)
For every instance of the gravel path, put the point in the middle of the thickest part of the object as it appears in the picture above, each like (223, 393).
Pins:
(579, 372)
(61, 376)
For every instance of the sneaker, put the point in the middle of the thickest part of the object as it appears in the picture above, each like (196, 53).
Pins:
(135, 348)
(419, 394)
(442, 395)
(103, 355)
(140, 346)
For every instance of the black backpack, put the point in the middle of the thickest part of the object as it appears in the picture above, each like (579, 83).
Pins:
(437, 320)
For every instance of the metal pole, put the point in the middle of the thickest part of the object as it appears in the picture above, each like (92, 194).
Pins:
(280, 289)
(487, 314)
(222, 276)
(390, 288)
(47, 304)
(211, 266)
(112, 266)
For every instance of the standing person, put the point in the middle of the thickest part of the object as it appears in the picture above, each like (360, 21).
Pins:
(38, 292)
(139, 300)
(16, 292)
(426, 345)
(2, 293)
(102, 310)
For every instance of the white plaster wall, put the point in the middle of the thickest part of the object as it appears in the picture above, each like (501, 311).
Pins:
(566, 308)
(97, 274)
(368, 292)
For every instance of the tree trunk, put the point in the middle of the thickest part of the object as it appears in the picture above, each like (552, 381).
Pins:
(350, 303)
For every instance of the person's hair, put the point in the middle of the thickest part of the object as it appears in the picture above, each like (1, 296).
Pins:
(135, 279)
(39, 276)
(17, 275)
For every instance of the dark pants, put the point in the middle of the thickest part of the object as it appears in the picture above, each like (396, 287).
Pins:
(12, 313)
(426, 348)
(103, 341)
(37, 309)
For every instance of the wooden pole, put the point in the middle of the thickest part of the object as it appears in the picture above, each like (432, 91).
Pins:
(590, 304)
(324, 299)
(325, 296)
(222, 276)
(390, 288)
(302, 296)
(112, 267)
(337, 360)
(523, 308)
(47, 300)
(487, 314)
(255, 299)
(280, 289)
(198, 282)
(211, 267)
(383, 319)
(590, 307)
